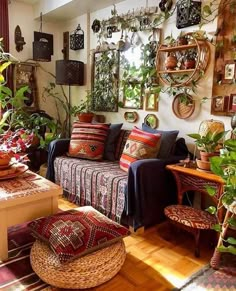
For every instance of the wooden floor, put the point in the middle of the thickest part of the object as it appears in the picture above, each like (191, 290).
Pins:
(159, 259)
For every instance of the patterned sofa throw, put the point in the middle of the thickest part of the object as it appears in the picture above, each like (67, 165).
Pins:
(88, 140)
(139, 145)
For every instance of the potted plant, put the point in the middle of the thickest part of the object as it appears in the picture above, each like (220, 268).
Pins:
(208, 145)
(190, 59)
(83, 110)
(225, 167)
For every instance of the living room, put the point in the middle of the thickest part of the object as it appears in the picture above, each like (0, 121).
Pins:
(161, 258)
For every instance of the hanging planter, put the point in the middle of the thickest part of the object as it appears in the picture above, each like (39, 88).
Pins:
(77, 39)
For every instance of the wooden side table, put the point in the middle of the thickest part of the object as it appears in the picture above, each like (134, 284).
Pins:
(191, 179)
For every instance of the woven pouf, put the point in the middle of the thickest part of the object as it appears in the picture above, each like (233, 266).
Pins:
(85, 272)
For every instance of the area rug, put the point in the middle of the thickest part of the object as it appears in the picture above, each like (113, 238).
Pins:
(16, 273)
(209, 279)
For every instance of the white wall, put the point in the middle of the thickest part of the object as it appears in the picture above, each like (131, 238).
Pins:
(23, 15)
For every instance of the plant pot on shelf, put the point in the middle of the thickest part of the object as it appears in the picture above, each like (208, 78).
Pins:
(85, 117)
(189, 64)
(205, 156)
(171, 62)
(203, 165)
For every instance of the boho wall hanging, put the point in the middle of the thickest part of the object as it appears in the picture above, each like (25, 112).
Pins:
(151, 120)
(105, 81)
(188, 13)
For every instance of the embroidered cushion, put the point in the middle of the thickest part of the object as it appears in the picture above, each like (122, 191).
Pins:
(139, 145)
(77, 232)
(88, 140)
(191, 217)
(168, 139)
(113, 134)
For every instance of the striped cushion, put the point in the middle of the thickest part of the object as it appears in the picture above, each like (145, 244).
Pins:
(140, 145)
(87, 140)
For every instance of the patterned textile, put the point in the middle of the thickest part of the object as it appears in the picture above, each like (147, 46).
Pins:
(77, 232)
(88, 140)
(99, 184)
(140, 145)
(190, 216)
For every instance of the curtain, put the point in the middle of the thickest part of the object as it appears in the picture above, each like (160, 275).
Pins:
(4, 23)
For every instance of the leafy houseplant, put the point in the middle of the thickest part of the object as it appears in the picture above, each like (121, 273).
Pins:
(84, 110)
(225, 167)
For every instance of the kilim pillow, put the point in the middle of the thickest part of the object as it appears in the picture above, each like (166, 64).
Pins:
(88, 140)
(139, 145)
(77, 232)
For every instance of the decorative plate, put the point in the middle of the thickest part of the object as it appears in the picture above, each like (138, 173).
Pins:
(19, 170)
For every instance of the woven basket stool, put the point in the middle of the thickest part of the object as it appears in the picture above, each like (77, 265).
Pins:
(85, 272)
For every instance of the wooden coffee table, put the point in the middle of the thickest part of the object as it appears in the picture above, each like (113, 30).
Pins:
(22, 199)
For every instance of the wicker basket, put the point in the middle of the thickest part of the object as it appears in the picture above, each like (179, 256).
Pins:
(85, 272)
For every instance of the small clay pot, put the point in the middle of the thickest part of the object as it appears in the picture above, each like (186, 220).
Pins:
(203, 165)
(182, 40)
(189, 64)
(171, 62)
(85, 117)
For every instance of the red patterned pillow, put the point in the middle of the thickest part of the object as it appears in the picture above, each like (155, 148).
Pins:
(88, 140)
(77, 232)
(139, 145)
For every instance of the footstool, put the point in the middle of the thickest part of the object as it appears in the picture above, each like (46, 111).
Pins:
(78, 248)
(85, 272)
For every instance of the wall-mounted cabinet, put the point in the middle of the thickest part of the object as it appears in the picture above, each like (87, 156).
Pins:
(179, 65)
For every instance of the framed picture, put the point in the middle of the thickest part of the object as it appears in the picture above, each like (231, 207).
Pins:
(218, 103)
(131, 116)
(151, 120)
(133, 95)
(105, 81)
(232, 103)
(229, 72)
(25, 75)
(151, 103)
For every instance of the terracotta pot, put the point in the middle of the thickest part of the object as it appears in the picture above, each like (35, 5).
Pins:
(182, 40)
(203, 165)
(206, 156)
(85, 117)
(189, 64)
(171, 62)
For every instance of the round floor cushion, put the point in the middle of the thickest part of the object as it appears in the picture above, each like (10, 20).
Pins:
(85, 272)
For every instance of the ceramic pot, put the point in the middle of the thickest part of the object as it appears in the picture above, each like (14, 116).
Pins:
(203, 165)
(85, 117)
(171, 62)
(189, 64)
(206, 156)
(182, 40)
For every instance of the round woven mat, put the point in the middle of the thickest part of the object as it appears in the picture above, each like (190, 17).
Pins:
(181, 109)
(85, 272)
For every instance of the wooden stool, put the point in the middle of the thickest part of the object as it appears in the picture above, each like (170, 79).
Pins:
(191, 219)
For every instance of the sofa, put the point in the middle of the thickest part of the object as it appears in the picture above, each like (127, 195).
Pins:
(136, 198)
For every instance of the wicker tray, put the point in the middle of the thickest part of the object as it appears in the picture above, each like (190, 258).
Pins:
(181, 109)
(85, 272)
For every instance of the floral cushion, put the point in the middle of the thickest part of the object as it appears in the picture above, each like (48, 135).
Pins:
(139, 145)
(189, 216)
(77, 232)
(88, 140)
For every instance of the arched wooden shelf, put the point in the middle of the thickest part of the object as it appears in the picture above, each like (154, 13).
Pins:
(180, 76)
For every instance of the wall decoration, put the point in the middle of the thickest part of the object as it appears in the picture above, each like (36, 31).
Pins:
(229, 72)
(151, 120)
(19, 39)
(219, 103)
(131, 116)
(132, 95)
(188, 13)
(77, 39)
(183, 106)
(105, 81)
(25, 75)
(232, 103)
(151, 103)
